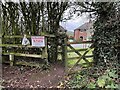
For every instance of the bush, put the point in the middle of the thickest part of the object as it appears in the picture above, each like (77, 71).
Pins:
(83, 80)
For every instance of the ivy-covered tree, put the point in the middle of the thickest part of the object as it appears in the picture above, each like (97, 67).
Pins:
(106, 34)
(55, 12)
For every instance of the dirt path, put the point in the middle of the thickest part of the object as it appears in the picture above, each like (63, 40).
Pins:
(31, 77)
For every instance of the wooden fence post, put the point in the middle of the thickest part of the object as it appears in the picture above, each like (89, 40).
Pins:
(46, 53)
(11, 57)
(44, 50)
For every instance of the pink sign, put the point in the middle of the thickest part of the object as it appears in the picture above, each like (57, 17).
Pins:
(38, 41)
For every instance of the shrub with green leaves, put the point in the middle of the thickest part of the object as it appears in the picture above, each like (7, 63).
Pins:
(83, 80)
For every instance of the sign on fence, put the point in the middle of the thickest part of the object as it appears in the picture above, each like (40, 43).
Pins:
(38, 41)
(25, 41)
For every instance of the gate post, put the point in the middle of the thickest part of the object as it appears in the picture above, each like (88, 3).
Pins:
(64, 54)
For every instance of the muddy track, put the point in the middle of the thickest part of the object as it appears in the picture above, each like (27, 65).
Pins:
(32, 77)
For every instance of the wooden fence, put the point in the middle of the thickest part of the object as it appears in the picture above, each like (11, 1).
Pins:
(12, 46)
(15, 48)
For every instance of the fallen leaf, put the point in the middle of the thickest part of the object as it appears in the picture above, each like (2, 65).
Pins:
(31, 86)
(48, 74)
(38, 85)
(38, 81)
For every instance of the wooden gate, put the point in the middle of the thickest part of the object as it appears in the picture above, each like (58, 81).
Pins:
(78, 57)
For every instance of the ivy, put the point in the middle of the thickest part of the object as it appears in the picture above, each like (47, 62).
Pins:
(105, 37)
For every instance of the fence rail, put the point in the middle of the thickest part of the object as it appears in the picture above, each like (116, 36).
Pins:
(28, 36)
(82, 42)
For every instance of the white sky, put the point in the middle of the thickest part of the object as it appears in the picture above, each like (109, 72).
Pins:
(74, 23)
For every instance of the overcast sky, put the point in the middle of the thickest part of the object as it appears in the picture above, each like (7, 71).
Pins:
(74, 23)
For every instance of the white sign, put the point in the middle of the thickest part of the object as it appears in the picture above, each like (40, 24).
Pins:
(25, 41)
(38, 41)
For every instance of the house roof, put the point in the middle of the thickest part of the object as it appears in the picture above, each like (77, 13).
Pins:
(84, 27)
(61, 29)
